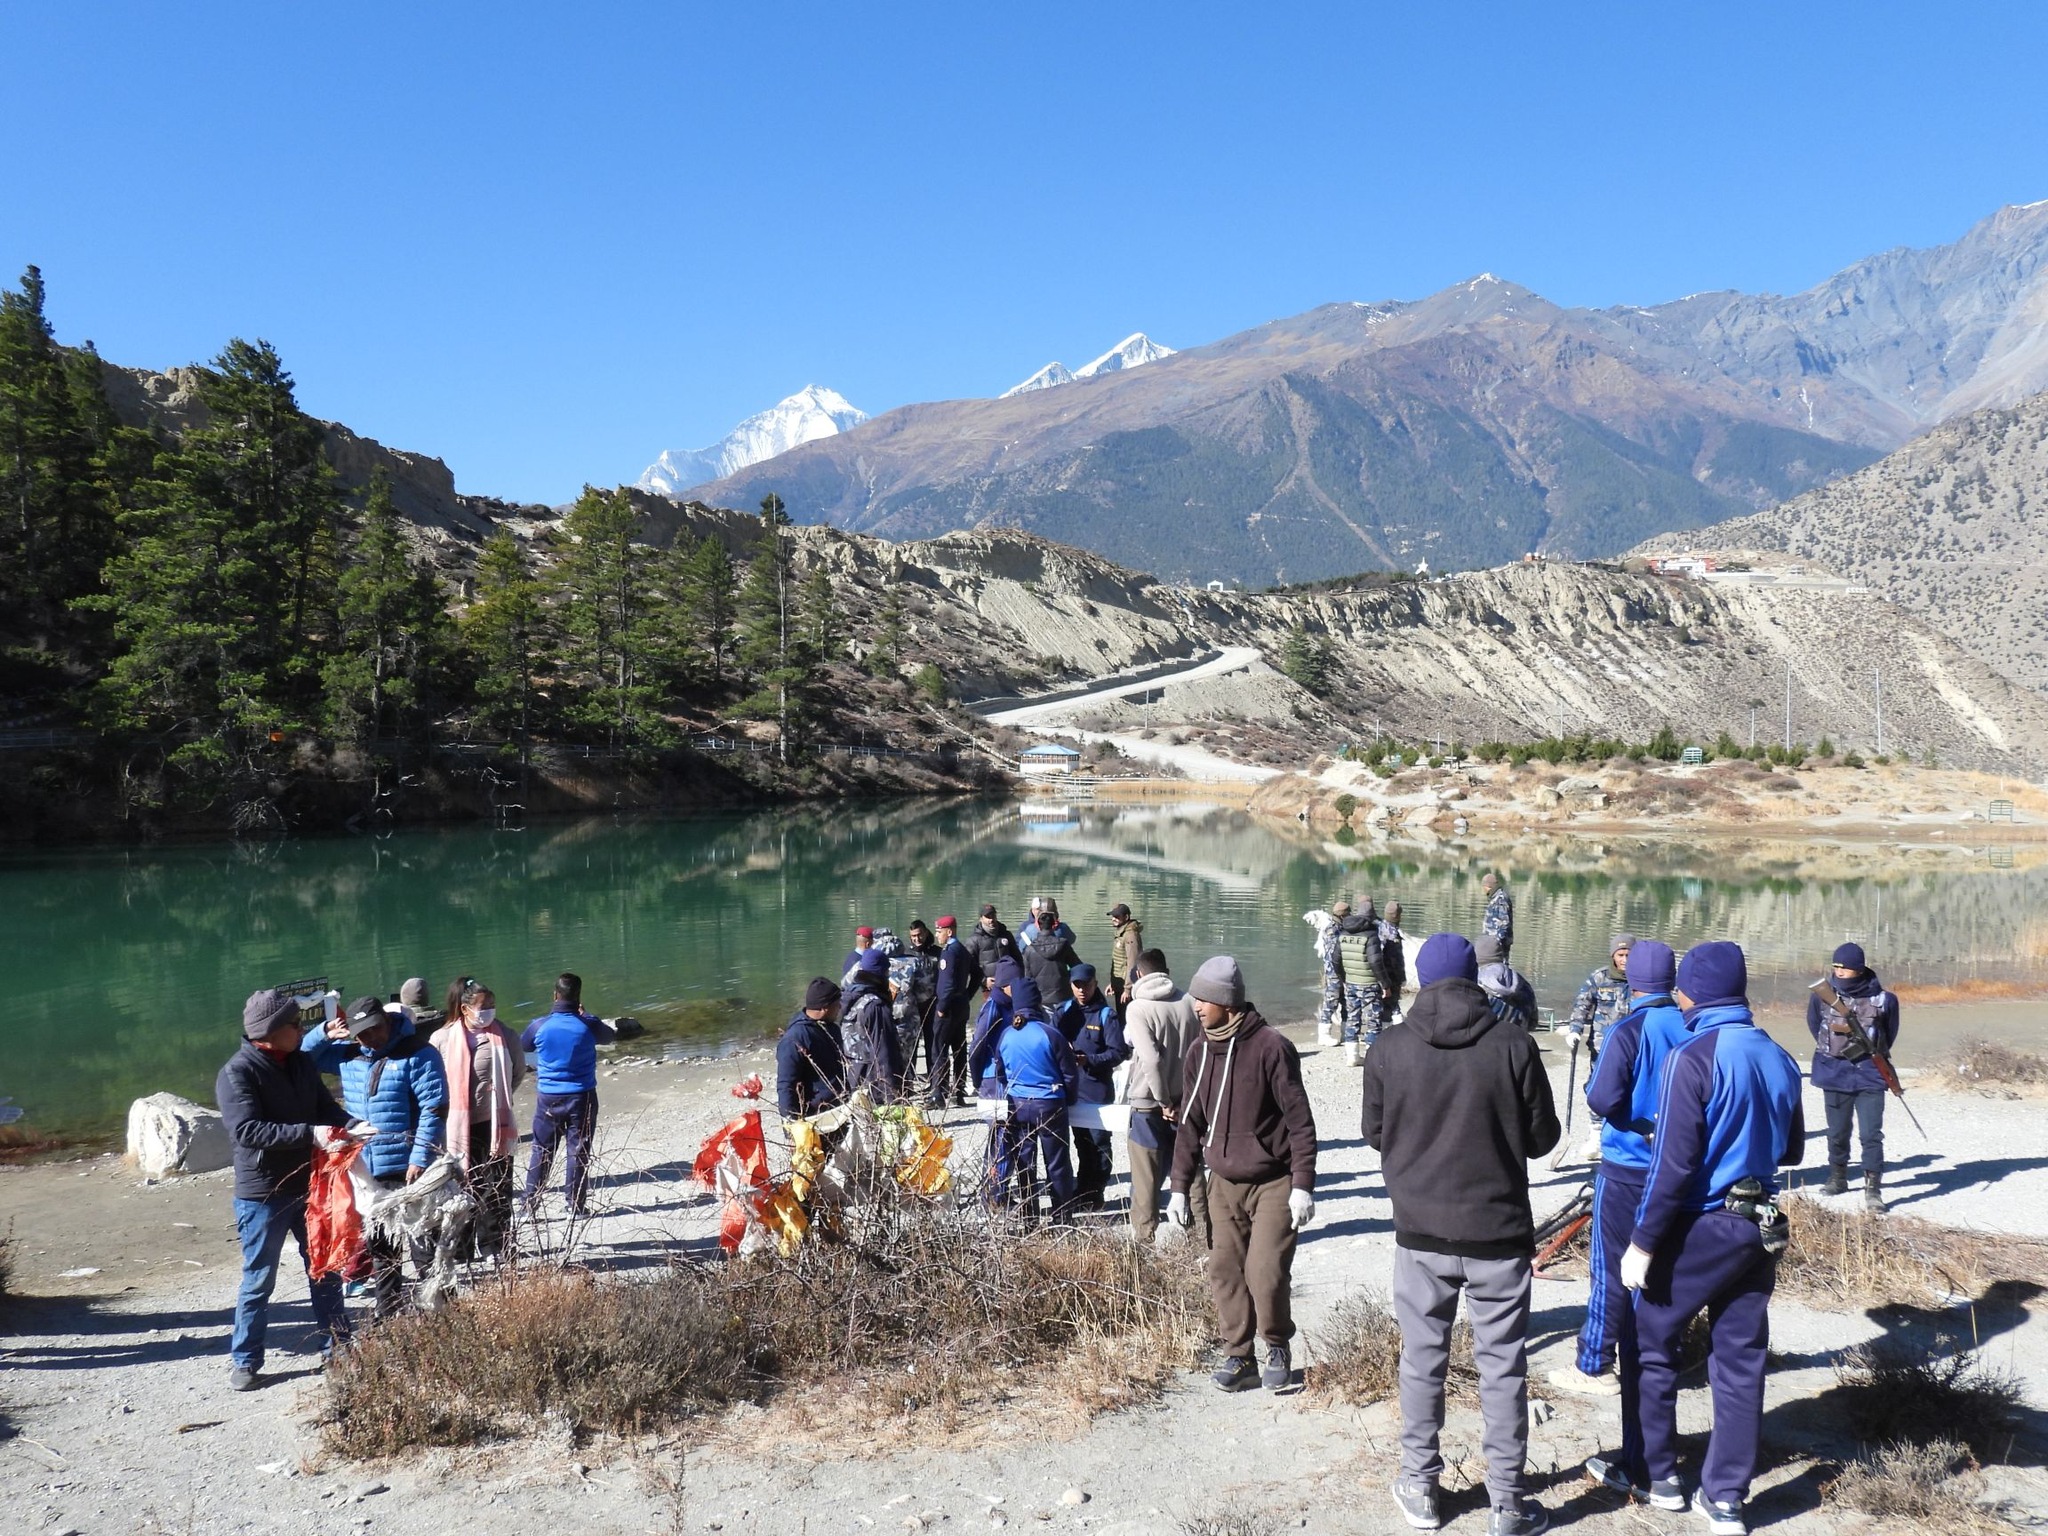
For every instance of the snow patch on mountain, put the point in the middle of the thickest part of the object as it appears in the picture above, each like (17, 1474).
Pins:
(1052, 373)
(1135, 349)
(804, 417)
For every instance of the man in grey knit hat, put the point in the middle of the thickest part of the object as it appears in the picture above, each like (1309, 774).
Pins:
(1243, 1112)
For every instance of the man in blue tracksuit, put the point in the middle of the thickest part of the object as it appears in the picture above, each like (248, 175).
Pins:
(1039, 1078)
(392, 1080)
(1623, 1092)
(1088, 1023)
(563, 1043)
(1845, 1073)
(1708, 1233)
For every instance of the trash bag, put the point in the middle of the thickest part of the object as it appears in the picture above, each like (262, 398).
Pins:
(334, 1227)
(433, 1218)
(734, 1162)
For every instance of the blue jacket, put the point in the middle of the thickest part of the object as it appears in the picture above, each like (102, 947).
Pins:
(957, 976)
(564, 1047)
(1628, 1077)
(269, 1108)
(809, 1076)
(400, 1090)
(1033, 1061)
(1729, 1110)
(1879, 1012)
(1096, 1037)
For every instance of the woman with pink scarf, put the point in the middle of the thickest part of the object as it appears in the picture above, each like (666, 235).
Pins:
(484, 1064)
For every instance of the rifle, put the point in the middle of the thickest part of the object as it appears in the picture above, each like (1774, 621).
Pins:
(1834, 1001)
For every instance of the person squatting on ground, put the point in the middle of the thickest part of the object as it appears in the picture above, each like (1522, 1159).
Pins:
(391, 1080)
(1244, 1114)
(1126, 944)
(1330, 1015)
(1036, 1074)
(1622, 1090)
(1358, 954)
(1159, 1026)
(1457, 1103)
(1845, 1073)
(564, 1044)
(1498, 923)
(1707, 1238)
(868, 1045)
(809, 1076)
(954, 983)
(1602, 999)
(483, 1065)
(274, 1108)
(1088, 1023)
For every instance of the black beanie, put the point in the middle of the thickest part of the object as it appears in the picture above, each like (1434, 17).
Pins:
(821, 993)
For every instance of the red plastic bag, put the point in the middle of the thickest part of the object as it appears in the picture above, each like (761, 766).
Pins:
(734, 1162)
(334, 1227)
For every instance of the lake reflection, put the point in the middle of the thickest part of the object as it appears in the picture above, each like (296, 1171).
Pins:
(129, 968)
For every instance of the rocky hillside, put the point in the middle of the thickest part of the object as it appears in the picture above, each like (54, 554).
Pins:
(1466, 428)
(1954, 526)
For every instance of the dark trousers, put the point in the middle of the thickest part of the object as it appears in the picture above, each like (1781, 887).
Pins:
(1094, 1158)
(1866, 1107)
(1036, 1131)
(1714, 1261)
(1251, 1268)
(490, 1186)
(262, 1226)
(1610, 1310)
(945, 1053)
(556, 1116)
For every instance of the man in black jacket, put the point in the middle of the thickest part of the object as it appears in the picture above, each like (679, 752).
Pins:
(274, 1106)
(1457, 1104)
(1049, 958)
(989, 942)
(809, 1075)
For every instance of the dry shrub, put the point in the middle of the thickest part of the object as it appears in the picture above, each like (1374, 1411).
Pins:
(1983, 1063)
(1233, 1517)
(1893, 1393)
(1853, 1258)
(1913, 1483)
(1355, 1356)
(912, 1311)
(6, 1264)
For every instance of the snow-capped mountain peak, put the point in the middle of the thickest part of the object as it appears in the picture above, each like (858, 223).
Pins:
(1133, 350)
(1052, 373)
(804, 417)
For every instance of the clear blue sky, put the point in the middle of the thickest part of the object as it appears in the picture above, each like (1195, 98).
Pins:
(545, 242)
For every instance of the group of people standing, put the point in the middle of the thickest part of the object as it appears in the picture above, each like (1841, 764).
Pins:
(417, 1084)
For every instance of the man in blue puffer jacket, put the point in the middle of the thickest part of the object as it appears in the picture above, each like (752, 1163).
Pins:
(392, 1081)
(564, 1044)
(1627, 1077)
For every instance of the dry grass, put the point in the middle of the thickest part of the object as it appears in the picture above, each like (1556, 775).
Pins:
(1233, 1517)
(1972, 989)
(945, 1315)
(1894, 1393)
(6, 1264)
(1916, 1484)
(1355, 1356)
(1853, 1259)
(1985, 1064)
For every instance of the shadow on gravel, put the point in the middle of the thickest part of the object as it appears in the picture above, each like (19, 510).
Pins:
(1929, 1183)
(53, 1333)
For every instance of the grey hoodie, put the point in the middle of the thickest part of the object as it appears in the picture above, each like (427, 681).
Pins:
(1159, 1026)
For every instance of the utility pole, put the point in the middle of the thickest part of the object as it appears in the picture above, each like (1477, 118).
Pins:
(1877, 677)
(1754, 706)
(1788, 708)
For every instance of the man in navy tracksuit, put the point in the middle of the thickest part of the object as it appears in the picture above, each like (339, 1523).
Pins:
(564, 1044)
(945, 1047)
(1627, 1080)
(1088, 1023)
(1039, 1078)
(1708, 1233)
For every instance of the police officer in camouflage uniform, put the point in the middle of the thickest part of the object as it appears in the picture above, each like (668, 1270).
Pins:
(1602, 1002)
(1364, 966)
(1499, 922)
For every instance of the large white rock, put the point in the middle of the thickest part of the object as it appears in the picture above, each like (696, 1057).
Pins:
(167, 1135)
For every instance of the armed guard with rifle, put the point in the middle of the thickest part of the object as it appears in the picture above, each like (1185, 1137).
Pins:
(1854, 1022)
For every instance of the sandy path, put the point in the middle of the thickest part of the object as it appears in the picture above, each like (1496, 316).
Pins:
(124, 1422)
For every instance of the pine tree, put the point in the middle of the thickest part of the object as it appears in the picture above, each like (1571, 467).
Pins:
(1305, 658)
(603, 587)
(769, 648)
(218, 605)
(694, 580)
(502, 633)
(391, 628)
(819, 630)
(885, 656)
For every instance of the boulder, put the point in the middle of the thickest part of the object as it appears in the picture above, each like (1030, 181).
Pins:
(628, 1028)
(167, 1135)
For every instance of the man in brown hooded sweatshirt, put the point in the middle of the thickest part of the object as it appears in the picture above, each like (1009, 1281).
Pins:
(1244, 1114)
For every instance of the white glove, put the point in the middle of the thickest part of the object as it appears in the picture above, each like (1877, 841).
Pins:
(327, 1137)
(1635, 1268)
(1301, 1208)
(1576, 1033)
(1177, 1211)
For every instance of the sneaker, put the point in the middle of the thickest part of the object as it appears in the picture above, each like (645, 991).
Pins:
(1668, 1493)
(1572, 1379)
(1611, 1476)
(355, 1290)
(1527, 1519)
(1417, 1503)
(241, 1380)
(1279, 1369)
(1723, 1518)
(1240, 1373)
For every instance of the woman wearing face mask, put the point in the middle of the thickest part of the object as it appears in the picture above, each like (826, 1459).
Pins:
(484, 1065)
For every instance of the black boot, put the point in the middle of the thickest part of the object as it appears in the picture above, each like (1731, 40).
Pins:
(1838, 1179)
(1873, 1193)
